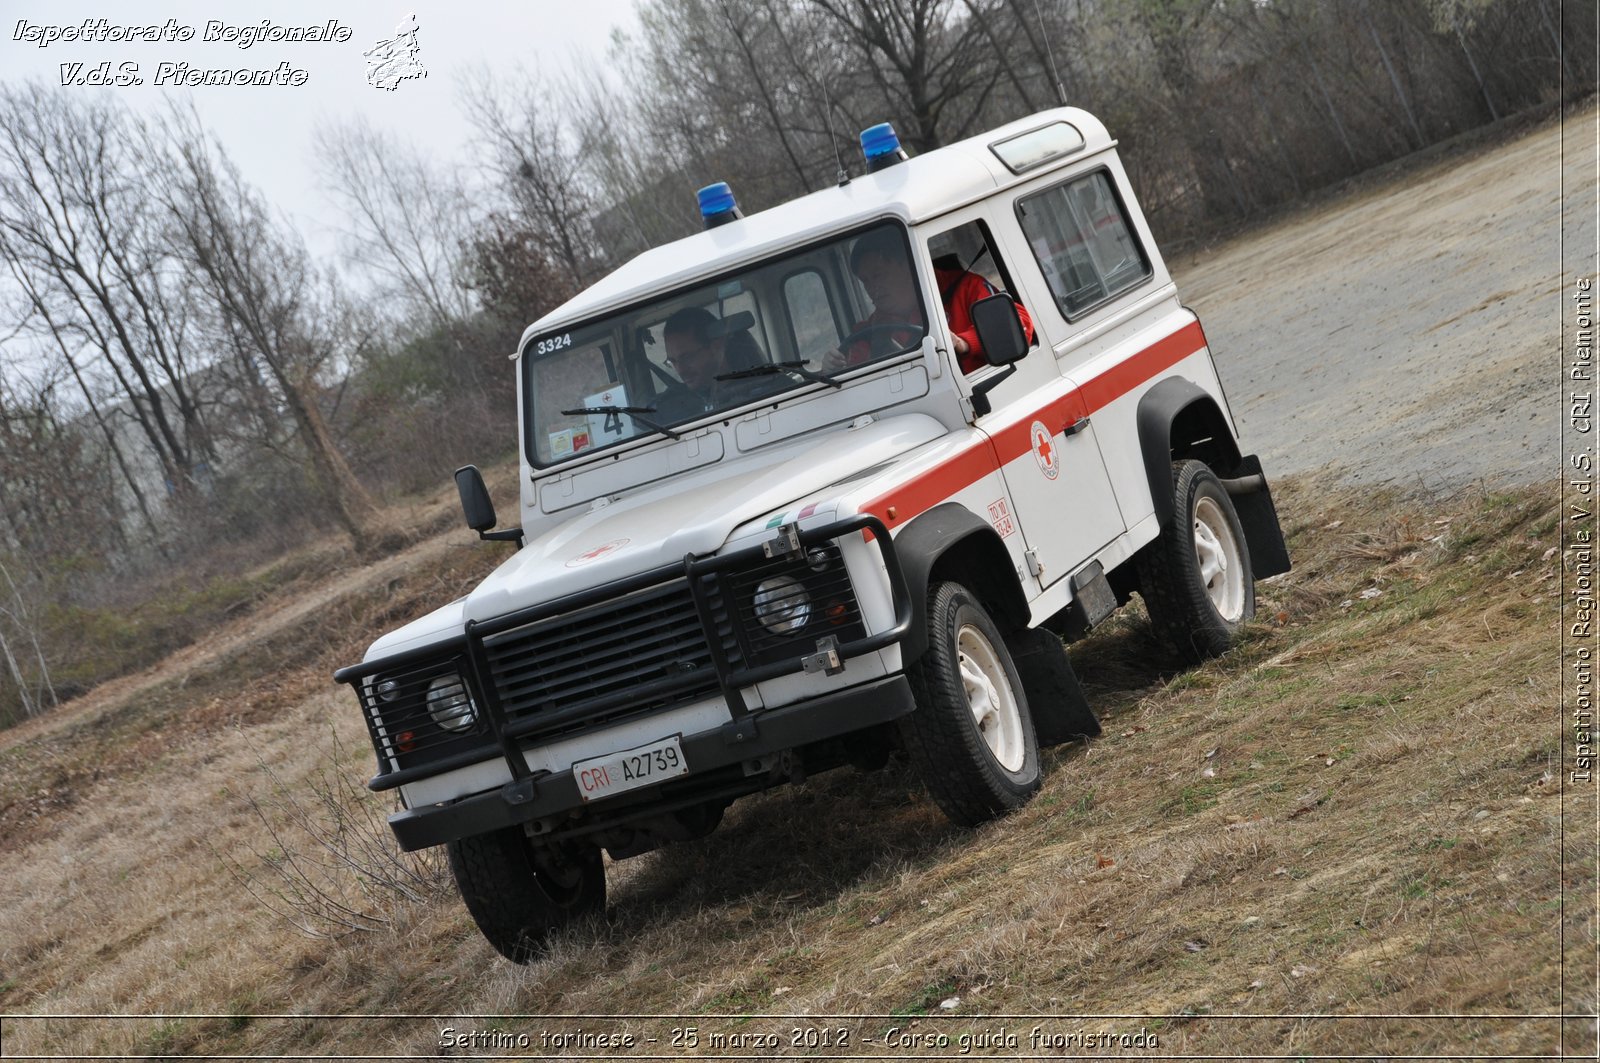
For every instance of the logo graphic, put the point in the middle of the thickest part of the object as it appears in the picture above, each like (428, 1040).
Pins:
(392, 61)
(600, 551)
(1044, 450)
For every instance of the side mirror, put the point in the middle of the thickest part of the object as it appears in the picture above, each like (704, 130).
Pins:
(999, 329)
(478, 509)
(475, 502)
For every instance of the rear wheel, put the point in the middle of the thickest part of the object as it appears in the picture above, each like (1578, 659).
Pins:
(971, 736)
(1196, 577)
(520, 893)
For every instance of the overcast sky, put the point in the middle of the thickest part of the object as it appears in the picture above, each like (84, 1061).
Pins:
(268, 129)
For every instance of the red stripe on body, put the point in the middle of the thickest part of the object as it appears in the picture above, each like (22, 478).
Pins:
(1102, 390)
(961, 470)
(928, 489)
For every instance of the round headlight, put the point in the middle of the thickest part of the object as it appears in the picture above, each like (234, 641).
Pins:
(388, 689)
(782, 605)
(449, 704)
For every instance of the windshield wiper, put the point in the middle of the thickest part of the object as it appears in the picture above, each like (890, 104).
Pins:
(614, 418)
(798, 368)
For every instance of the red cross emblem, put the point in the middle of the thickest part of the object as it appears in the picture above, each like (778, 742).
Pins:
(1044, 451)
(599, 551)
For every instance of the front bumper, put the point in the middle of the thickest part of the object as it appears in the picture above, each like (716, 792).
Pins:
(738, 742)
(712, 603)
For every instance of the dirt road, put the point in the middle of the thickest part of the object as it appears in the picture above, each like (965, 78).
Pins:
(1411, 332)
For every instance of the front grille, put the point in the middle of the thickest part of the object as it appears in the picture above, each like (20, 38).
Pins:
(538, 674)
(633, 654)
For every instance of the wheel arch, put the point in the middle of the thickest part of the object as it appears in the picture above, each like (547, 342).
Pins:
(1176, 419)
(950, 542)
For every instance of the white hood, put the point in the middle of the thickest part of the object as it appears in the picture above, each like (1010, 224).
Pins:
(657, 525)
(693, 513)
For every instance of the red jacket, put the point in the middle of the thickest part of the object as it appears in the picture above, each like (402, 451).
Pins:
(958, 291)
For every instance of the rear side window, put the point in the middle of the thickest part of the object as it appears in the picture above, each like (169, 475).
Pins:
(1080, 234)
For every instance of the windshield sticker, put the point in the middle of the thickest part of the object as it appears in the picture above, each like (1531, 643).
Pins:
(608, 427)
(568, 441)
(598, 552)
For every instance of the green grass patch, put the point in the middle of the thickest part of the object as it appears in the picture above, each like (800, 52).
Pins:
(926, 999)
(1195, 797)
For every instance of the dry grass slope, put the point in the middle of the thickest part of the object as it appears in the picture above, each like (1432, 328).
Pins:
(1359, 811)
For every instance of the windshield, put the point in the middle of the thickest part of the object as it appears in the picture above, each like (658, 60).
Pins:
(783, 324)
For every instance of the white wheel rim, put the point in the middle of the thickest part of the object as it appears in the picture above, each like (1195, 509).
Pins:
(1217, 552)
(990, 698)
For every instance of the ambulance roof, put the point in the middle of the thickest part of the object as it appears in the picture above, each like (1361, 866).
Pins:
(919, 188)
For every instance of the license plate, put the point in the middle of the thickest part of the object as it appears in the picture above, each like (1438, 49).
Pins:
(630, 769)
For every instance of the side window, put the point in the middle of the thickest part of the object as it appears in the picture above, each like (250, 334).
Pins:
(1080, 234)
(957, 253)
(810, 316)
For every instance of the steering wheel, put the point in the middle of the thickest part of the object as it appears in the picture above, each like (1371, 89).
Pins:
(677, 402)
(884, 326)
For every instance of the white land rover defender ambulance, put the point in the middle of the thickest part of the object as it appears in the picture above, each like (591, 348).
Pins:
(843, 540)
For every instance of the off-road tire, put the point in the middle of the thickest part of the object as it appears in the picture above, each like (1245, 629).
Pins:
(962, 769)
(1198, 617)
(518, 894)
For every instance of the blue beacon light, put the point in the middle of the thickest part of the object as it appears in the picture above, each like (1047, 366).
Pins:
(881, 147)
(717, 205)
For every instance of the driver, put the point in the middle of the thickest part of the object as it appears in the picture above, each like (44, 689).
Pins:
(700, 351)
(879, 262)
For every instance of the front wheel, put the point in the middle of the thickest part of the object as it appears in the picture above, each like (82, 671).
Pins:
(971, 736)
(519, 894)
(1196, 577)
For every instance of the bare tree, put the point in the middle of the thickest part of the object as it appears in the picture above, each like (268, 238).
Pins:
(269, 309)
(75, 220)
(933, 62)
(1457, 18)
(405, 219)
(509, 271)
(1174, 29)
(540, 159)
(37, 309)
(1400, 94)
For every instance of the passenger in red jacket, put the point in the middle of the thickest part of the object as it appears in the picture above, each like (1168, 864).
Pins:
(879, 263)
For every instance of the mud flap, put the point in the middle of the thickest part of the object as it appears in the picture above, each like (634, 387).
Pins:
(1269, 555)
(1060, 710)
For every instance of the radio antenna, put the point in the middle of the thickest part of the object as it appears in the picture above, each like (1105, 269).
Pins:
(843, 176)
(1051, 52)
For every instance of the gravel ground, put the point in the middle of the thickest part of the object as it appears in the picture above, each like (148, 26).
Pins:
(1409, 332)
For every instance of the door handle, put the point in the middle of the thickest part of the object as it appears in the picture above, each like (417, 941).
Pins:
(1075, 427)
